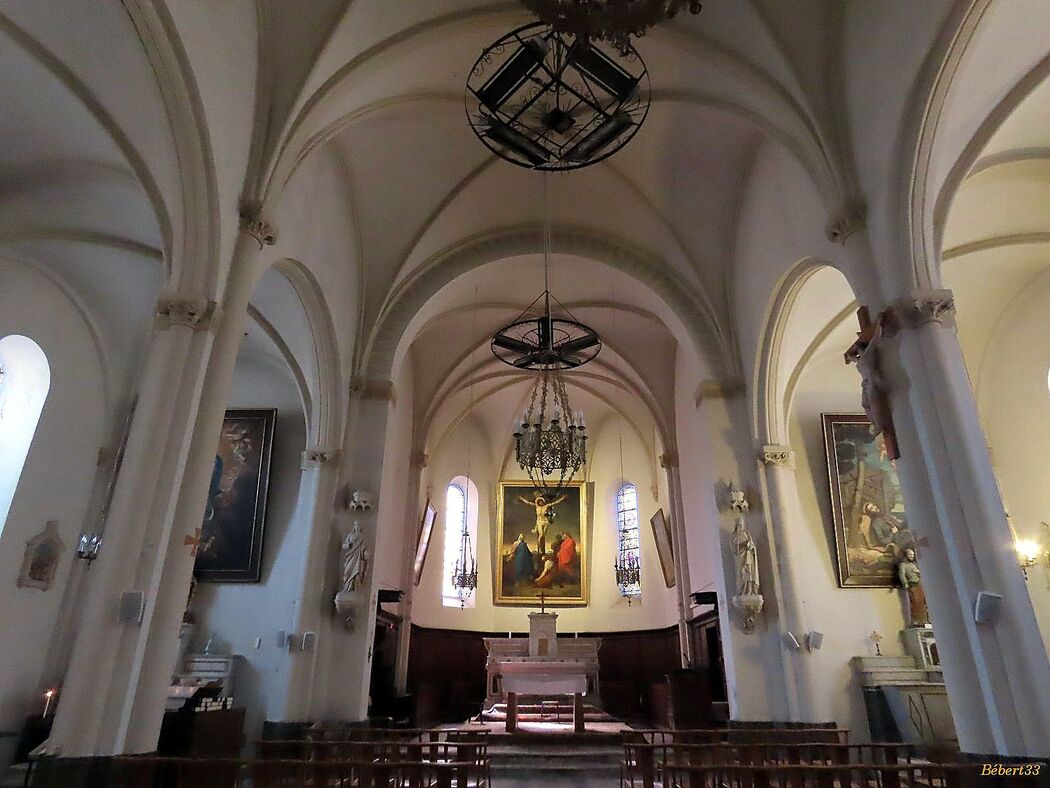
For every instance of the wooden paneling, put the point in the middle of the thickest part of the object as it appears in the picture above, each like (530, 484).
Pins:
(446, 671)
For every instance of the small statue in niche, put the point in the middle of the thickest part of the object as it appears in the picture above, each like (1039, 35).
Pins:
(354, 559)
(911, 580)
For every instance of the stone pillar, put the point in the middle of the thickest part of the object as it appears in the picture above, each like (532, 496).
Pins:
(996, 671)
(317, 492)
(780, 491)
(757, 671)
(680, 548)
(340, 681)
(114, 694)
(404, 641)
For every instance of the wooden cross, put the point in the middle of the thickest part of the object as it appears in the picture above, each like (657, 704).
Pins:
(193, 541)
(875, 638)
(543, 601)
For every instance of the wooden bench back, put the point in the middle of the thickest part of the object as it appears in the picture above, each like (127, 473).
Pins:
(152, 772)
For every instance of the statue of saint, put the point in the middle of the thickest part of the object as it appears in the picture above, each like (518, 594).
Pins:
(910, 577)
(355, 559)
(544, 517)
(746, 553)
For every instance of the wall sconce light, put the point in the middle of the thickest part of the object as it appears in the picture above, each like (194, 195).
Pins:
(88, 546)
(1028, 552)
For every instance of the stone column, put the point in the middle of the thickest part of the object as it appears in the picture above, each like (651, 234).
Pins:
(780, 491)
(404, 641)
(996, 670)
(680, 548)
(757, 671)
(317, 492)
(340, 681)
(114, 694)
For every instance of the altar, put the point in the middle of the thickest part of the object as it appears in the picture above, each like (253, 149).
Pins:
(541, 666)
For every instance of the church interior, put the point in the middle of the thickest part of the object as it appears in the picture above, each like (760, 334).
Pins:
(524, 392)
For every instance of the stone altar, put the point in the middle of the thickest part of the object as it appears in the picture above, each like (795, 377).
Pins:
(543, 650)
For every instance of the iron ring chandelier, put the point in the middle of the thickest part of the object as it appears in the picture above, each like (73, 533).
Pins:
(550, 100)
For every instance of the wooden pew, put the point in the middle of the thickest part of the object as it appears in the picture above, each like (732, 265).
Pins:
(154, 772)
(797, 735)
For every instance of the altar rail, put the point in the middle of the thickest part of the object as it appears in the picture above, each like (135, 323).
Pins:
(749, 735)
(814, 776)
(150, 772)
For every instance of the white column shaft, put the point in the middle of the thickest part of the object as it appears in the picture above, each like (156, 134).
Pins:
(997, 673)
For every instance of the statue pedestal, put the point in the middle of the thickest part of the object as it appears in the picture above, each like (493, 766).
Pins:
(749, 605)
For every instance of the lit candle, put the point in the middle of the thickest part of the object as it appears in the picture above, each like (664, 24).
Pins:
(47, 700)
(509, 634)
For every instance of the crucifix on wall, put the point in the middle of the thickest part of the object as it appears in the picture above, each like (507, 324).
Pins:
(874, 395)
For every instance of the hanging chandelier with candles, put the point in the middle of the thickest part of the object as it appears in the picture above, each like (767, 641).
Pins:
(550, 443)
(614, 21)
(465, 573)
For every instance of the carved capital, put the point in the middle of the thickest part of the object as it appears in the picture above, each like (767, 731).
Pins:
(669, 459)
(253, 223)
(195, 312)
(371, 389)
(316, 456)
(848, 221)
(781, 456)
(718, 389)
(420, 459)
(922, 307)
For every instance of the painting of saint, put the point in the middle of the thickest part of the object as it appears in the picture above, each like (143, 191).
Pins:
(540, 539)
(871, 526)
(230, 546)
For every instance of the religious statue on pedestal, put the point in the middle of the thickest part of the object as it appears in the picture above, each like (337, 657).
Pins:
(911, 581)
(748, 598)
(354, 559)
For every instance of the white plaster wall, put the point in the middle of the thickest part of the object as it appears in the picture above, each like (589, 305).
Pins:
(56, 479)
(238, 613)
(607, 610)
(1015, 412)
(846, 616)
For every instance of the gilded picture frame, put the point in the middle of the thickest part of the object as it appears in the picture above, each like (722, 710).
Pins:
(871, 529)
(230, 543)
(426, 530)
(555, 563)
(664, 545)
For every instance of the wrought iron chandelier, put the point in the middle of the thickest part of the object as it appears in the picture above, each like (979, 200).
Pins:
(465, 573)
(628, 574)
(614, 21)
(551, 443)
(549, 99)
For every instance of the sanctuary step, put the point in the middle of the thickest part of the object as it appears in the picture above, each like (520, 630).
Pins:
(556, 759)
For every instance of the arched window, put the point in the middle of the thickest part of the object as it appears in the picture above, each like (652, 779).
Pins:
(25, 378)
(461, 516)
(629, 541)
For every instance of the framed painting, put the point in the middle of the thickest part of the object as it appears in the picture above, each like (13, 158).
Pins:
(229, 546)
(867, 508)
(426, 528)
(664, 549)
(542, 546)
